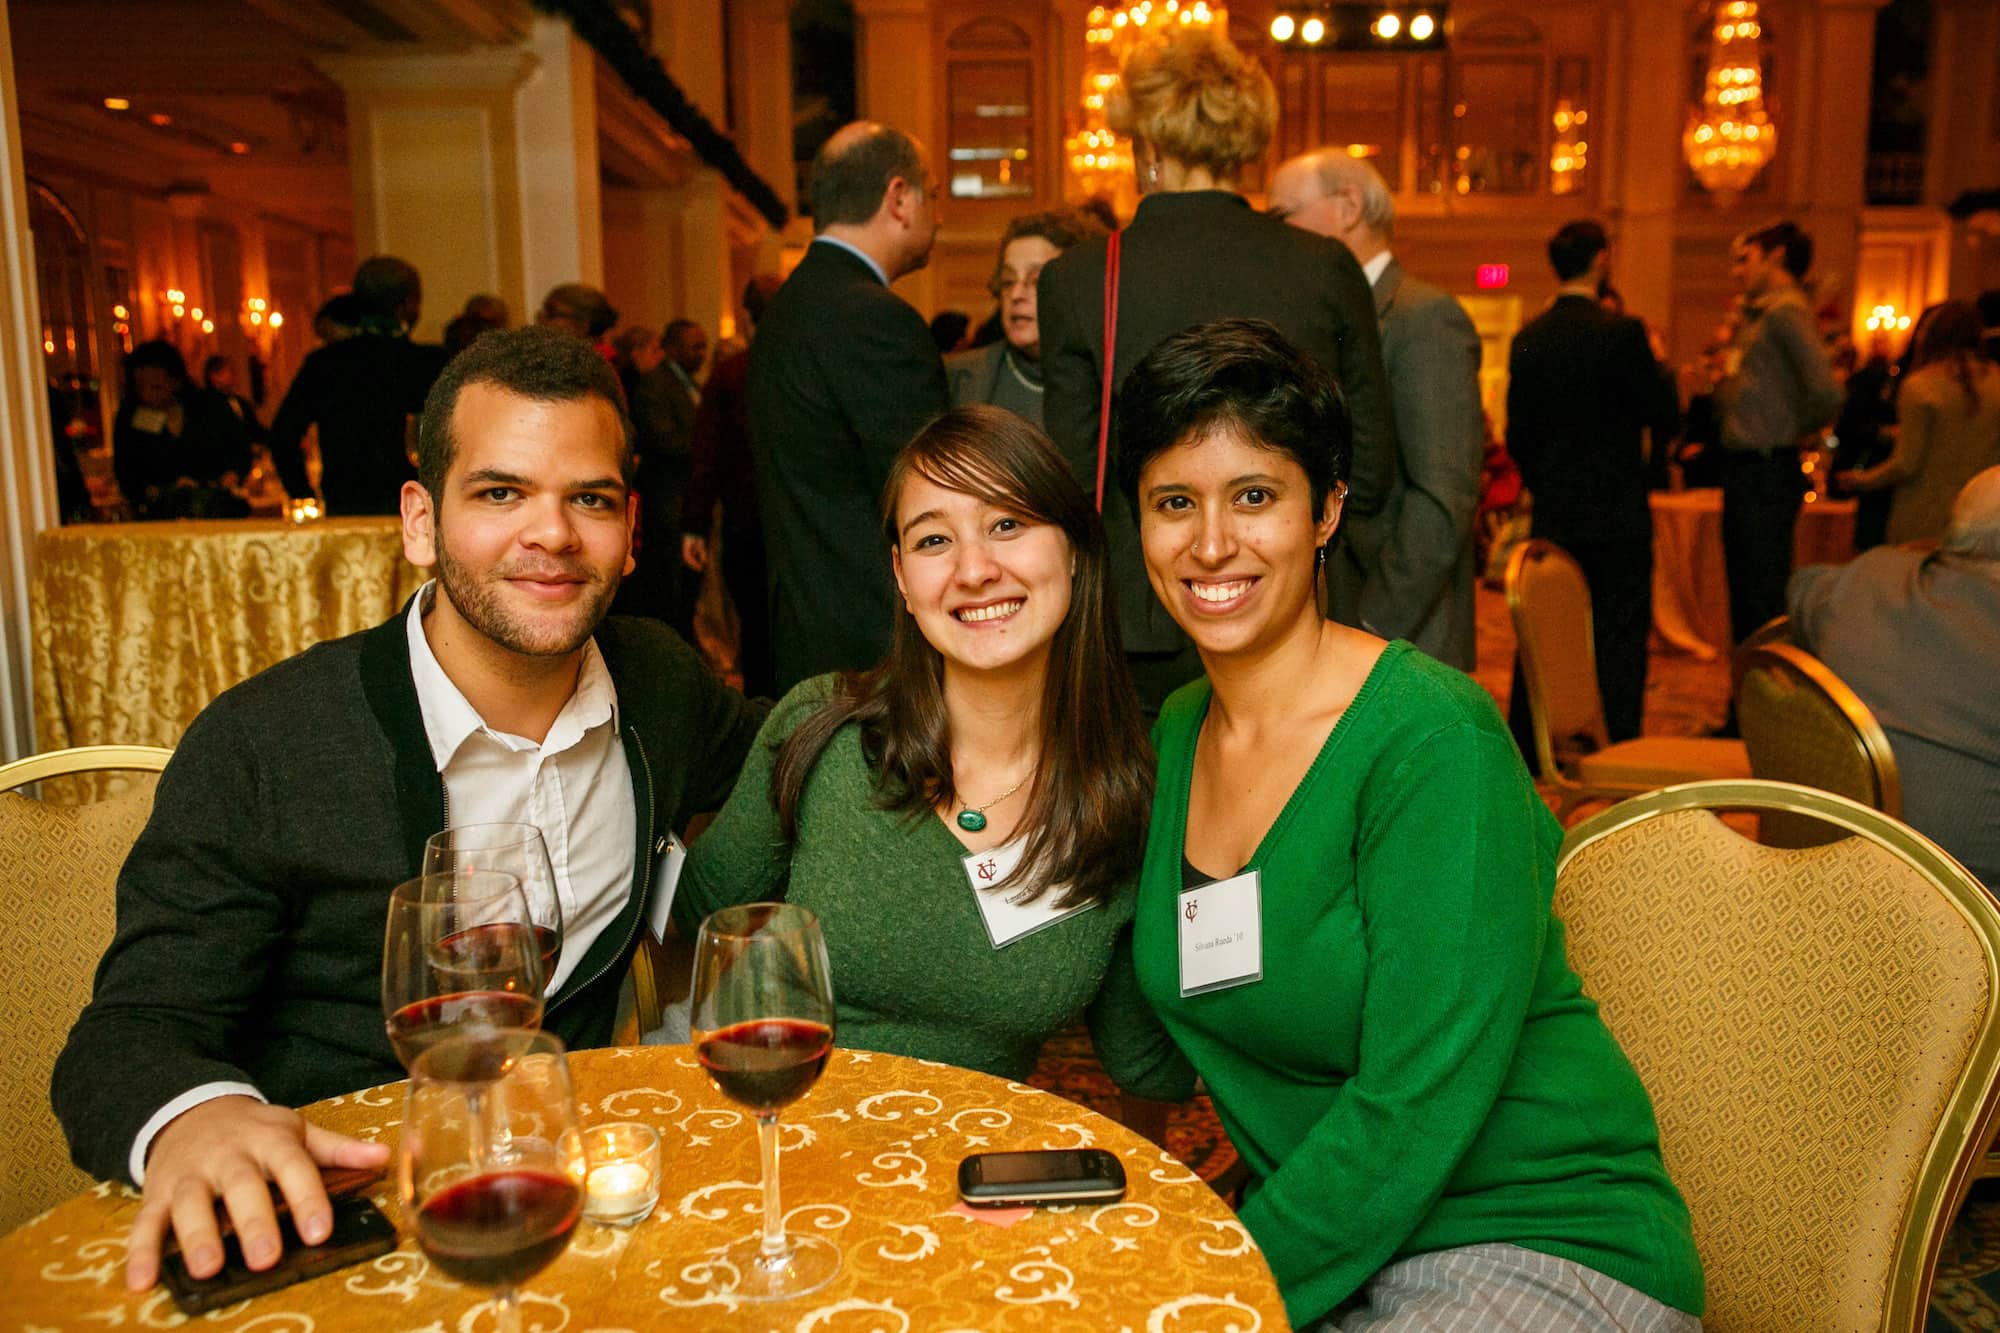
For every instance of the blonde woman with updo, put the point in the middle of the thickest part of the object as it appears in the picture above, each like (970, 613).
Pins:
(1199, 113)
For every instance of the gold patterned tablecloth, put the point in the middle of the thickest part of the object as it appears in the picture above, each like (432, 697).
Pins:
(137, 626)
(1691, 580)
(870, 1160)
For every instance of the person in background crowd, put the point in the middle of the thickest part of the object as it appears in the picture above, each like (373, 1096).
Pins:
(1948, 427)
(176, 450)
(482, 313)
(664, 398)
(1776, 390)
(1199, 112)
(1916, 634)
(338, 318)
(364, 395)
(246, 962)
(218, 376)
(582, 311)
(1441, 1130)
(635, 350)
(1407, 571)
(1989, 319)
(1582, 390)
(724, 473)
(951, 815)
(1863, 434)
(1008, 373)
(949, 330)
(842, 374)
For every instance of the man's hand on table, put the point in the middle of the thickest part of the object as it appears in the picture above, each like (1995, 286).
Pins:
(230, 1149)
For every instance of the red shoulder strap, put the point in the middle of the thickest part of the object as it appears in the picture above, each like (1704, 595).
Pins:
(1110, 359)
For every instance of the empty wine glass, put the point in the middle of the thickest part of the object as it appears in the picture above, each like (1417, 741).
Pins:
(763, 1028)
(490, 1167)
(459, 950)
(512, 849)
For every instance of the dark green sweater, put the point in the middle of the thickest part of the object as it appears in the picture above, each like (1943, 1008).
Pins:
(913, 970)
(1419, 1068)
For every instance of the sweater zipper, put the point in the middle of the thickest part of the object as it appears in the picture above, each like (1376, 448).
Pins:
(644, 880)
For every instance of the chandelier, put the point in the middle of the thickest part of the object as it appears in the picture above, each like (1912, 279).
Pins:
(1728, 142)
(1100, 160)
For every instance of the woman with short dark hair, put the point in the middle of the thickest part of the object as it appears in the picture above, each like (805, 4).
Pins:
(1344, 914)
(966, 818)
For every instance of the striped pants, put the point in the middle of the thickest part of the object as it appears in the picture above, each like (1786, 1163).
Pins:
(1500, 1289)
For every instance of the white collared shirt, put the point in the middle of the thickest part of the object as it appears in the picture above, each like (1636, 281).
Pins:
(1372, 270)
(858, 253)
(575, 786)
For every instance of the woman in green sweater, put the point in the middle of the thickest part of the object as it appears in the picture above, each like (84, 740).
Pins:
(1344, 914)
(966, 819)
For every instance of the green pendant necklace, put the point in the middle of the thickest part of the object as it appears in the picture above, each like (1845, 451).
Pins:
(973, 817)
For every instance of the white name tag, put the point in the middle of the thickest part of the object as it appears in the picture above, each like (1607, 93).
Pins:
(1008, 921)
(1222, 934)
(666, 882)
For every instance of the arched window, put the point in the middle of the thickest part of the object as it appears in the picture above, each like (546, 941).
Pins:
(990, 147)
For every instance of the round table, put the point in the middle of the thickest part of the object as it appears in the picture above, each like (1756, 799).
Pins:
(870, 1160)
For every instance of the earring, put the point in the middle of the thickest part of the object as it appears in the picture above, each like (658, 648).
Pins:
(1319, 557)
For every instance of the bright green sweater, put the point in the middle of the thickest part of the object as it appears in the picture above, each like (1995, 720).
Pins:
(1418, 1068)
(913, 970)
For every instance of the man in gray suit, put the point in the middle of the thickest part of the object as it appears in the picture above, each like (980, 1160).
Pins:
(1405, 572)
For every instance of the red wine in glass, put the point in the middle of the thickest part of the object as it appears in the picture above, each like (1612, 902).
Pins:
(765, 1064)
(416, 1027)
(513, 849)
(501, 1228)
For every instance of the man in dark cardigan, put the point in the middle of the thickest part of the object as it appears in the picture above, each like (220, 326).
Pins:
(244, 976)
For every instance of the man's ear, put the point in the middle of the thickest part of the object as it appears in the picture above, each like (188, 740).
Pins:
(419, 526)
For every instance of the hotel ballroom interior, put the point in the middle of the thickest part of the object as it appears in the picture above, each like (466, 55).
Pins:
(1807, 985)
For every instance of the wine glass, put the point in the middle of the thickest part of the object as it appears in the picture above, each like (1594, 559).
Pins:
(513, 849)
(459, 951)
(763, 1028)
(491, 1164)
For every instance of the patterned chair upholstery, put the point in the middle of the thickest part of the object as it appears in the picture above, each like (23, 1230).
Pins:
(1549, 602)
(1801, 723)
(57, 901)
(1817, 1028)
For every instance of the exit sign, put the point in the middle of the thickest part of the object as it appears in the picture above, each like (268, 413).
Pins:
(1489, 276)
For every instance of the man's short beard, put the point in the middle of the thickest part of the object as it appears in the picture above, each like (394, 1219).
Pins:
(478, 606)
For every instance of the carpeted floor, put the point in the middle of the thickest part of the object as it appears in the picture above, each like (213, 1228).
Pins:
(1684, 697)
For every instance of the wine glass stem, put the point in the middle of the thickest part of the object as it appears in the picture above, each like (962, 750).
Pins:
(774, 1216)
(507, 1310)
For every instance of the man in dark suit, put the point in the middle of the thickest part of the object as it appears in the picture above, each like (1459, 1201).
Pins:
(364, 393)
(1406, 572)
(1582, 389)
(842, 374)
(663, 407)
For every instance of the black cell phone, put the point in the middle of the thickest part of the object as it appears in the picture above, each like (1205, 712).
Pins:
(360, 1232)
(1057, 1175)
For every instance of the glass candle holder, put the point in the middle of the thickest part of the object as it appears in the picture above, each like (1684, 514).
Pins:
(624, 1181)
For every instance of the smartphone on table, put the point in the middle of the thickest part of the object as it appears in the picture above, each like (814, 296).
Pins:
(1055, 1175)
(360, 1232)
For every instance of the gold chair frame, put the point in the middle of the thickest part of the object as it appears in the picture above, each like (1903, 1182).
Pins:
(1571, 791)
(1957, 1148)
(83, 759)
(1791, 661)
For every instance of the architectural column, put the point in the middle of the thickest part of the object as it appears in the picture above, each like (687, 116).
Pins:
(1832, 140)
(478, 166)
(1647, 36)
(760, 81)
(692, 220)
(895, 84)
(27, 475)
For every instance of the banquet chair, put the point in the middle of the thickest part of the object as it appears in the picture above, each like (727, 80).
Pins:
(1801, 723)
(1549, 602)
(1819, 1029)
(1778, 629)
(59, 907)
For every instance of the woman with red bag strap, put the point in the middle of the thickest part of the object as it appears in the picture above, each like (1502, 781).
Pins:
(1199, 113)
